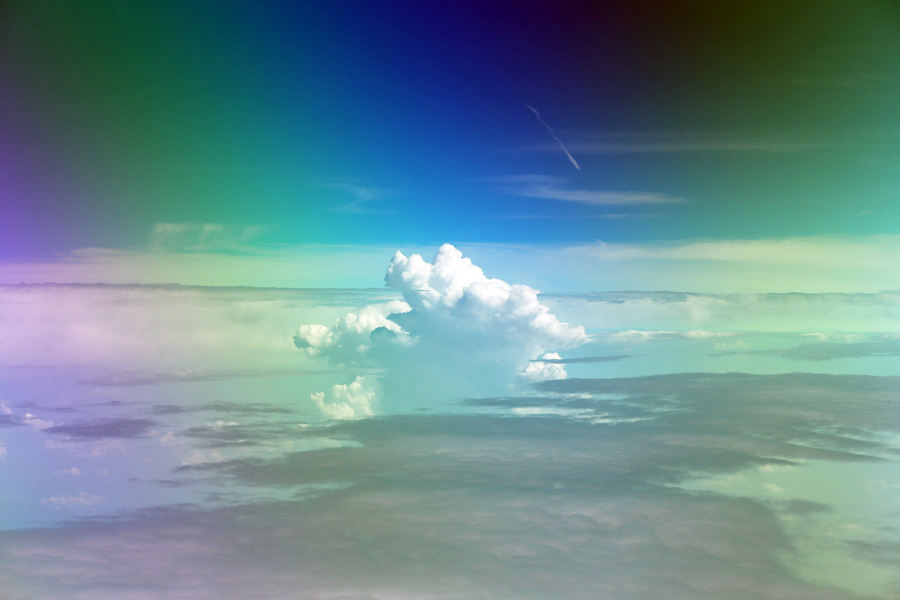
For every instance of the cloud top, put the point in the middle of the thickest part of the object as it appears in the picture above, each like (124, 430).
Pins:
(453, 290)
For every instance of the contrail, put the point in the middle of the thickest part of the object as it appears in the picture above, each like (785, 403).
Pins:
(553, 133)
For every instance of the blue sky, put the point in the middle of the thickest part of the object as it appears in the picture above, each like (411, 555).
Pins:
(396, 124)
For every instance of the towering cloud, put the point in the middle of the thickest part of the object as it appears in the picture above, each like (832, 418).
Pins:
(455, 328)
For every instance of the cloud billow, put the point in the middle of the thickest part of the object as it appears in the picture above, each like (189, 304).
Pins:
(455, 330)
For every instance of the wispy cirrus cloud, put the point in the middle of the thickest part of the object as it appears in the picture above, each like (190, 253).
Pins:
(881, 346)
(553, 188)
(363, 194)
(201, 237)
(535, 217)
(601, 143)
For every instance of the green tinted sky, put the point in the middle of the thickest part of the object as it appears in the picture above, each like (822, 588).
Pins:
(407, 123)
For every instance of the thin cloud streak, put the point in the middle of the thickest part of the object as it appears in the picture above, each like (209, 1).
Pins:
(582, 359)
(133, 378)
(562, 217)
(365, 194)
(550, 188)
(553, 133)
(698, 142)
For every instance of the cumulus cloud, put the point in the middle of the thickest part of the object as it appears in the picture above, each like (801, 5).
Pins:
(550, 367)
(453, 295)
(448, 300)
(348, 339)
(349, 401)
(454, 327)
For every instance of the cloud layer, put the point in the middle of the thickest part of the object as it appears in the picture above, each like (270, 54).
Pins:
(811, 264)
(497, 506)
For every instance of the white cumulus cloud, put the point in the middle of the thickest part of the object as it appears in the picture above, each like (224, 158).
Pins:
(348, 339)
(453, 295)
(350, 401)
(454, 328)
(541, 371)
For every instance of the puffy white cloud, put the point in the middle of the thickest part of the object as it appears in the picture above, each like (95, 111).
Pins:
(452, 297)
(349, 337)
(540, 371)
(350, 401)
(456, 327)
(449, 299)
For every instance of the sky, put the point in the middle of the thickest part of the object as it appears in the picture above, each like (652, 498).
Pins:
(449, 300)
